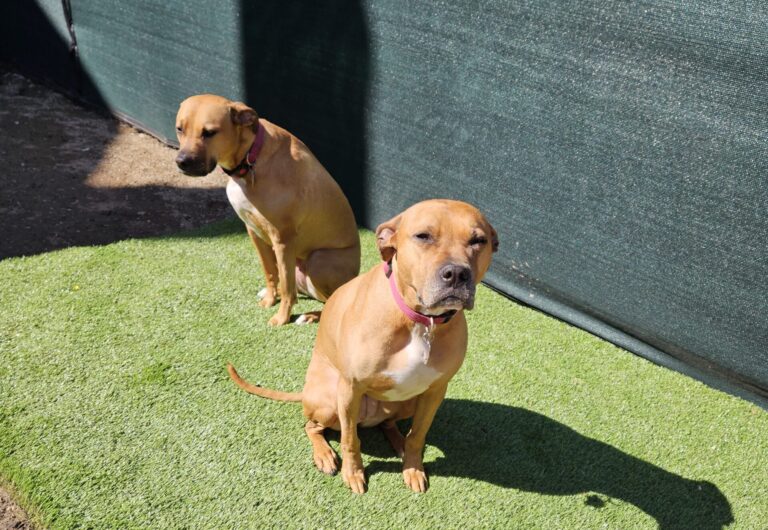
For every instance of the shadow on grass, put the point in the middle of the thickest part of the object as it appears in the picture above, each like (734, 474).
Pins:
(516, 448)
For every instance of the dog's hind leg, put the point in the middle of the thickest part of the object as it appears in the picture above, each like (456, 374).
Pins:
(324, 271)
(327, 269)
(395, 437)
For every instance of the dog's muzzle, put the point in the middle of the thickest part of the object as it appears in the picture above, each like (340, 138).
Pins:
(192, 166)
(452, 288)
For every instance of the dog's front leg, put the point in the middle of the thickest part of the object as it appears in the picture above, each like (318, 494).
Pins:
(413, 466)
(286, 271)
(349, 396)
(269, 264)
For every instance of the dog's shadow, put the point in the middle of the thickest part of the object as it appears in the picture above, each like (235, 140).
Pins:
(516, 448)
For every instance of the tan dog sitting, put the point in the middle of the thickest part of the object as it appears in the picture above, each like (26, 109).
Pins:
(392, 338)
(296, 214)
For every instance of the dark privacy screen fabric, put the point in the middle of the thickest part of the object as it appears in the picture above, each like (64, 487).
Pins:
(619, 148)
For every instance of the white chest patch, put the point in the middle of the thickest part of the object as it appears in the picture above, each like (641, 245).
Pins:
(244, 208)
(414, 376)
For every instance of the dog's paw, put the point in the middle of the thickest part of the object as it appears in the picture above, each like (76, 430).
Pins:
(278, 320)
(267, 302)
(267, 298)
(416, 479)
(354, 479)
(326, 461)
(307, 318)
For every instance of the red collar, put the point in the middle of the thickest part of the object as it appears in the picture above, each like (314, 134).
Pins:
(413, 316)
(250, 157)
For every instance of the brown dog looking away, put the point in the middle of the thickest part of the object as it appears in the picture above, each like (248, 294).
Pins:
(391, 339)
(297, 216)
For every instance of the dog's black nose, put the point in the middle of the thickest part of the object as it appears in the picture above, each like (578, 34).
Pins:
(453, 275)
(184, 161)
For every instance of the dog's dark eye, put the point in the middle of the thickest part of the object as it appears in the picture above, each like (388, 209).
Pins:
(208, 134)
(178, 128)
(423, 236)
(478, 241)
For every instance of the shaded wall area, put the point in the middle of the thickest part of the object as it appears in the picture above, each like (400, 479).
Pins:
(36, 37)
(306, 67)
(619, 149)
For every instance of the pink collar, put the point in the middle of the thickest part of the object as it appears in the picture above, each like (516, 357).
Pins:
(250, 157)
(413, 316)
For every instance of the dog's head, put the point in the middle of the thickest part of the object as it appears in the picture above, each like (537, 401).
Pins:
(442, 250)
(212, 129)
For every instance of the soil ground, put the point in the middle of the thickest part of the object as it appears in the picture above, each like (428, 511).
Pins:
(70, 176)
(12, 517)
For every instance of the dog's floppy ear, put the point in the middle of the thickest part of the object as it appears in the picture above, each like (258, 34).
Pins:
(242, 114)
(494, 239)
(385, 238)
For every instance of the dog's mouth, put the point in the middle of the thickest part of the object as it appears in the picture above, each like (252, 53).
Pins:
(449, 300)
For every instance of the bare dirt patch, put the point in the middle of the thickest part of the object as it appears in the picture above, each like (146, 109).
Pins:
(12, 517)
(71, 176)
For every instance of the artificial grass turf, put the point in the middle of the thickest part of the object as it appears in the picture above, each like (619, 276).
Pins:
(116, 411)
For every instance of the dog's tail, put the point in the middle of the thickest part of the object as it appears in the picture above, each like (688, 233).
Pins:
(277, 395)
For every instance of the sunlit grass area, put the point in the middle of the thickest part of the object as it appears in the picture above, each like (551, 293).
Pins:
(116, 411)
